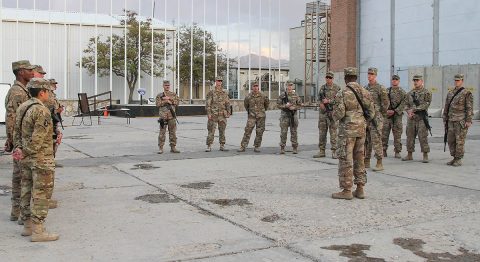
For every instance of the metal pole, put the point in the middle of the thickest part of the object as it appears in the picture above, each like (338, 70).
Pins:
(165, 44)
(270, 50)
(139, 46)
(34, 47)
(80, 49)
(191, 56)
(178, 49)
(65, 68)
(279, 48)
(239, 83)
(151, 49)
(49, 37)
(111, 49)
(260, 46)
(436, 29)
(125, 56)
(16, 31)
(317, 77)
(228, 46)
(96, 48)
(204, 43)
(1, 38)
(392, 37)
(216, 35)
(249, 45)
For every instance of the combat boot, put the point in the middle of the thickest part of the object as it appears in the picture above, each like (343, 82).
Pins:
(282, 150)
(160, 150)
(241, 149)
(458, 162)
(295, 150)
(27, 228)
(256, 149)
(39, 234)
(209, 148)
(14, 214)
(452, 161)
(367, 162)
(320, 154)
(345, 194)
(334, 154)
(222, 147)
(173, 149)
(384, 153)
(20, 221)
(359, 193)
(425, 157)
(52, 204)
(379, 166)
(408, 157)
(397, 155)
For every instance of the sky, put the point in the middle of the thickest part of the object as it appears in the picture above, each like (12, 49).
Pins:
(266, 29)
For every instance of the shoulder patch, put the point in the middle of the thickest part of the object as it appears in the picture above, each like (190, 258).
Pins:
(46, 123)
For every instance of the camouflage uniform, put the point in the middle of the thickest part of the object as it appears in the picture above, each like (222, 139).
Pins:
(374, 135)
(165, 114)
(459, 113)
(218, 108)
(16, 95)
(351, 133)
(416, 125)
(256, 104)
(286, 121)
(398, 99)
(324, 122)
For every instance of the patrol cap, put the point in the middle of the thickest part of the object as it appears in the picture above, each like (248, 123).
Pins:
(39, 69)
(40, 83)
(166, 82)
(255, 83)
(289, 83)
(350, 71)
(53, 81)
(458, 77)
(417, 77)
(329, 74)
(22, 64)
(372, 70)
(219, 78)
(395, 77)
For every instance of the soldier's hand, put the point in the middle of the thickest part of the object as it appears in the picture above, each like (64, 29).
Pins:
(17, 154)
(390, 112)
(59, 138)
(166, 98)
(322, 106)
(209, 117)
(325, 101)
(468, 124)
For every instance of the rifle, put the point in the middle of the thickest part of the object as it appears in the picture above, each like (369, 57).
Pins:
(422, 113)
(56, 119)
(289, 112)
(391, 107)
(170, 108)
(445, 135)
(328, 107)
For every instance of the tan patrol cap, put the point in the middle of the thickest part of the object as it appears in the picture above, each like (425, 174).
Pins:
(395, 77)
(373, 70)
(255, 83)
(350, 71)
(22, 64)
(53, 81)
(289, 83)
(40, 83)
(166, 82)
(417, 77)
(219, 78)
(39, 69)
(329, 74)
(459, 77)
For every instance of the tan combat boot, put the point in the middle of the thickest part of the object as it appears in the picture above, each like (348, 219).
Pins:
(173, 149)
(295, 150)
(457, 162)
(449, 163)
(14, 214)
(397, 155)
(334, 154)
(256, 149)
(425, 158)
(367, 162)
(408, 157)
(345, 194)
(160, 150)
(27, 228)
(209, 148)
(222, 147)
(52, 204)
(282, 150)
(241, 149)
(359, 193)
(379, 166)
(39, 234)
(320, 154)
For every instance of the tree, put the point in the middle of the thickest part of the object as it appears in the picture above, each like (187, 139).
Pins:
(185, 33)
(118, 56)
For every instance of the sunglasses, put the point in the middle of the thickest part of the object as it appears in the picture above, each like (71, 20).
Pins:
(329, 77)
(457, 80)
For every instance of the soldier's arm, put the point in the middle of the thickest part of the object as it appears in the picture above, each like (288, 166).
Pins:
(158, 101)
(17, 133)
(408, 101)
(266, 103)
(385, 100)
(42, 122)
(338, 107)
(468, 107)
(426, 102)
(175, 100)
(246, 103)
(280, 104)
(208, 104)
(445, 114)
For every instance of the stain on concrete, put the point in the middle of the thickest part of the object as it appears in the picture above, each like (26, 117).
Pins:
(78, 137)
(199, 185)
(230, 202)
(4, 187)
(416, 247)
(354, 252)
(157, 198)
(271, 218)
(144, 167)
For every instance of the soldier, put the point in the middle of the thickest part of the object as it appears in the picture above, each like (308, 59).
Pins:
(398, 98)
(375, 127)
(33, 146)
(256, 103)
(55, 110)
(457, 118)
(353, 108)
(167, 102)
(38, 72)
(418, 102)
(218, 110)
(326, 97)
(289, 103)
(16, 95)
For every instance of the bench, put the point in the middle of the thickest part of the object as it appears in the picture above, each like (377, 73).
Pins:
(89, 106)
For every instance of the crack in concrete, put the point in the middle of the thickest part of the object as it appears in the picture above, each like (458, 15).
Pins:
(78, 150)
(226, 254)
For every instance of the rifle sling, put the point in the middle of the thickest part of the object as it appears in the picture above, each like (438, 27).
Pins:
(24, 113)
(359, 101)
(451, 100)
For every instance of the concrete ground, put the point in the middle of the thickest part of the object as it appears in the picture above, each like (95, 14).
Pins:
(120, 201)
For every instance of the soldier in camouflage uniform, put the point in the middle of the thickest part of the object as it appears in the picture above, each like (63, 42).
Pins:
(256, 103)
(16, 95)
(351, 135)
(398, 98)
(419, 99)
(457, 116)
(218, 110)
(38, 72)
(167, 102)
(375, 128)
(33, 146)
(326, 98)
(289, 103)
